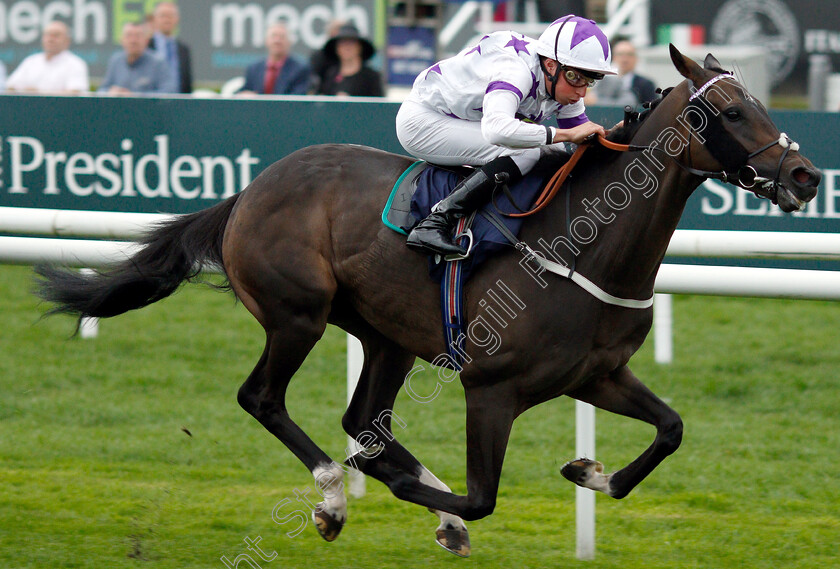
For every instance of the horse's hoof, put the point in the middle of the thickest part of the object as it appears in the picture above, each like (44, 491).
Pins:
(581, 471)
(328, 526)
(455, 541)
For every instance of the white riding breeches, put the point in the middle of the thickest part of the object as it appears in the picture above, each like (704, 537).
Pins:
(437, 138)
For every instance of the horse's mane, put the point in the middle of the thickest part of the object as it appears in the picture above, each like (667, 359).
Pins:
(633, 121)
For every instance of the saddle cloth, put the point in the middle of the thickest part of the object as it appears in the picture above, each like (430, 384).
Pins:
(422, 185)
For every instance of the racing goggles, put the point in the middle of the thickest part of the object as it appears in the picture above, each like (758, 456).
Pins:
(577, 79)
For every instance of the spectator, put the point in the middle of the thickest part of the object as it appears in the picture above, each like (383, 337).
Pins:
(348, 75)
(55, 70)
(165, 19)
(136, 69)
(318, 61)
(628, 87)
(281, 73)
(149, 27)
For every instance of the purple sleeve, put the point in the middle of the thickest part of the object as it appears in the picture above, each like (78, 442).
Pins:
(572, 122)
(504, 86)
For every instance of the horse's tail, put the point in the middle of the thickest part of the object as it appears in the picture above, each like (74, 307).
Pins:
(172, 252)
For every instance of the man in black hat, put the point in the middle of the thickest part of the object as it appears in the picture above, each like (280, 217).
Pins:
(347, 74)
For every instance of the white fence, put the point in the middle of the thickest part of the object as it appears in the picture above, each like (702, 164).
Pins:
(687, 279)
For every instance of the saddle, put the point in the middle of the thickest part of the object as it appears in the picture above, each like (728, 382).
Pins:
(424, 184)
(414, 194)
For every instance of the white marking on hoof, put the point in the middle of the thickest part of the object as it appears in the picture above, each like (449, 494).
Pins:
(331, 514)
(589, 474)
(447, 521)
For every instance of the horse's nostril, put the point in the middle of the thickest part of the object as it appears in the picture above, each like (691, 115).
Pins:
(806, 177)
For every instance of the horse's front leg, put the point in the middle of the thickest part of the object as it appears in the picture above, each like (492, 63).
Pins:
(621, 392)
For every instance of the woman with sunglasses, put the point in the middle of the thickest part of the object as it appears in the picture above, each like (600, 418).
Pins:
(483, 107)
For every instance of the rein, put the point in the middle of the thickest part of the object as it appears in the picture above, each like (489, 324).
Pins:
(743, 175)
(570, 273)
(556, 182)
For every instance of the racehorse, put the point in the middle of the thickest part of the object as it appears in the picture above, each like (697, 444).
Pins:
(303, 246)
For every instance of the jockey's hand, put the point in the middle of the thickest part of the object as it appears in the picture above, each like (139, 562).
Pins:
(579, 133)
(617, 126)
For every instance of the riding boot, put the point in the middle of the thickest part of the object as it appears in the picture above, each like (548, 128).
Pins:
(434, 233)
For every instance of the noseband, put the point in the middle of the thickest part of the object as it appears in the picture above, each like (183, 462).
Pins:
(748, 178)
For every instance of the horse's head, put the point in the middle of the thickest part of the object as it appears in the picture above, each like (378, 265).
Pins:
(739, 142)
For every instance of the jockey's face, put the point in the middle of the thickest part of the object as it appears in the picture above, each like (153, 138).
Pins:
(565, 94)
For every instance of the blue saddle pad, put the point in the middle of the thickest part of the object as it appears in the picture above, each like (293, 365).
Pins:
(434, 184)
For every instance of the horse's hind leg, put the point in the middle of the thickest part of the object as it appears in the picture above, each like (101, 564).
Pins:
(621, 392)
(263, 395)
(369, 420)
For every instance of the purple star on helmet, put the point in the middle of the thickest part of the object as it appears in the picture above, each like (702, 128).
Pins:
(518, 44)
(587, 29)
(533, 91)
(434, 69)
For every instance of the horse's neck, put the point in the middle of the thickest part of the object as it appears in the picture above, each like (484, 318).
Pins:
(627, 251)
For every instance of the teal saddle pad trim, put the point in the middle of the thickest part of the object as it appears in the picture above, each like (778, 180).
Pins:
(397, 212)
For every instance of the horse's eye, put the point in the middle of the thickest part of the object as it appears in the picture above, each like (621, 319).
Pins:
(732, 114)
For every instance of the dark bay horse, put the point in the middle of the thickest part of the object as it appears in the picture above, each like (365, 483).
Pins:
(303, 246)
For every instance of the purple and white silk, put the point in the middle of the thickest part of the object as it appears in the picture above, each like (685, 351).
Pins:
(439, 139)
(489, 97)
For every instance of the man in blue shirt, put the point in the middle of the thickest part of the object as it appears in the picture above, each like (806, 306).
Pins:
(137, 69)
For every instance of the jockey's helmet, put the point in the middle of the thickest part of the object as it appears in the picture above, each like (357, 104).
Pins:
(577, 42)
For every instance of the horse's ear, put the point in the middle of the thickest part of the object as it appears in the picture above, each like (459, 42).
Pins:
(712, 63)
(685, 65)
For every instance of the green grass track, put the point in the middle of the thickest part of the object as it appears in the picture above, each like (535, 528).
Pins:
(97, 469)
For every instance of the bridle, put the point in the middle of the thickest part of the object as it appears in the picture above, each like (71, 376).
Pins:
(747, 177)
(727, 151)
(744, 176)
(732, 155)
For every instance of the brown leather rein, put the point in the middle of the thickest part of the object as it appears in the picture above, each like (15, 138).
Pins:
(556, 182)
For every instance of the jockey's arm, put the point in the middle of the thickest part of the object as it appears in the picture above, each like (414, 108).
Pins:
(578, 133)
(499, 125)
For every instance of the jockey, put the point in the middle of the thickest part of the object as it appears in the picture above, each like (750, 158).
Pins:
(483, 106)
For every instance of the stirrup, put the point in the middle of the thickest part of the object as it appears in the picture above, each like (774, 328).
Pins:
(465, 233)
